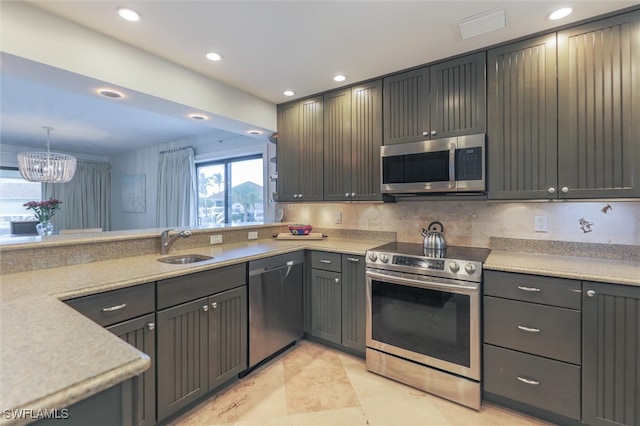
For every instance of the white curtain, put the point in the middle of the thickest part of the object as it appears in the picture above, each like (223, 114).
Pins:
(177, 196)
(86, 199)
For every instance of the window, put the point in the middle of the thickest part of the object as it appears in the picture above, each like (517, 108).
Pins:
(230, 191)
(14, 192)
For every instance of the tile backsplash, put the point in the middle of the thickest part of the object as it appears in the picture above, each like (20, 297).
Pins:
(473, 223)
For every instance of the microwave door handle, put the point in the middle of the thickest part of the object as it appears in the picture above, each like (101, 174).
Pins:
(452, 165)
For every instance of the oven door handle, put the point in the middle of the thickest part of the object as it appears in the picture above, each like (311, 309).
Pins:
(455, 288)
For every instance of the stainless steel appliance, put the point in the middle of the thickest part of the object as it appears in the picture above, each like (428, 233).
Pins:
(423, 318)
(442, 165)
(275, 304)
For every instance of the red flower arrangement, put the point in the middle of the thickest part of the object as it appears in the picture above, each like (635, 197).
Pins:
(44, 210)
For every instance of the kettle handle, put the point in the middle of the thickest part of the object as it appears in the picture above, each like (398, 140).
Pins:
(434, 224)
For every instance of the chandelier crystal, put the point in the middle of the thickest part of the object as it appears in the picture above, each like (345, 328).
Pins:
(48, 167)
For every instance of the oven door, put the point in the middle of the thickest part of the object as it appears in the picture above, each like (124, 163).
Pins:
(429, 320)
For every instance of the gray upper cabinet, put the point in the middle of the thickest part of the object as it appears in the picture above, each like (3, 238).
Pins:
(443, 100)
(522, 119)
(610, 363)
(352, 140)
(599, 108)
(300, 147)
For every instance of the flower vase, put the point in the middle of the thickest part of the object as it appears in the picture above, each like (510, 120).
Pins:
(44, 228)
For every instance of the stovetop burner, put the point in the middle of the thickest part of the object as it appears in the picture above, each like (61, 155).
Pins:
(473, 254)
(464, 263)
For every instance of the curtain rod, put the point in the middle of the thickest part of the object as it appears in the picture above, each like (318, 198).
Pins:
(177, 149)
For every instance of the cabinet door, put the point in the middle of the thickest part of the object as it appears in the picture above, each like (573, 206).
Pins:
(366, 139)
(311, 149)
(140, 333)
(326, 308)
(406, 107)
(353, 302)
(457, 95)
(227, 335)
(337, 145)
(599, 106)
(182, 355)
(288, 151)
(610, 360)
(522, 120)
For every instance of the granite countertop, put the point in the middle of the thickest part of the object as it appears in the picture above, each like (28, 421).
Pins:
(612, 271)
(52, 356)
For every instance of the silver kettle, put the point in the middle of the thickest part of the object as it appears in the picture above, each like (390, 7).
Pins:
(433, 239)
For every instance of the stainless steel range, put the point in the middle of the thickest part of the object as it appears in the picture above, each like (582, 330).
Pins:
(423, 318)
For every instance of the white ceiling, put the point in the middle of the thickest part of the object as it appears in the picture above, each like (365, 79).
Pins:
(267, 47)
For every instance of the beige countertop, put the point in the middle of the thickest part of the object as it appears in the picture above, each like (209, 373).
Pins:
(575, 267)
(51, 356)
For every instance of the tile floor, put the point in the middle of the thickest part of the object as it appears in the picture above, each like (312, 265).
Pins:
(311, 384)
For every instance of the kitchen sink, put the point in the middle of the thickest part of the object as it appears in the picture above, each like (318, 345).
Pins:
(184, 259)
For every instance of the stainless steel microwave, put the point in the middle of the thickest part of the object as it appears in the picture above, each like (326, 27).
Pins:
(442, 165)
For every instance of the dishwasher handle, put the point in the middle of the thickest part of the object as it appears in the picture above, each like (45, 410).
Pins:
(266, 269)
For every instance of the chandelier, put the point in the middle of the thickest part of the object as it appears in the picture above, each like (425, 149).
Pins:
(48, 167)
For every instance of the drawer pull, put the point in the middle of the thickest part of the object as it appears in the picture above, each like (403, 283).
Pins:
(151, 326)
(529, 329)
(528, 381)
(114, 308)
(353, 259)
(530, 289)
(325, 261)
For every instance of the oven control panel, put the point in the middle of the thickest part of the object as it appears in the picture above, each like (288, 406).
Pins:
(451, 268)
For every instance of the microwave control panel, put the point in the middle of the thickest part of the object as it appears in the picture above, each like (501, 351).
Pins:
(469, 163)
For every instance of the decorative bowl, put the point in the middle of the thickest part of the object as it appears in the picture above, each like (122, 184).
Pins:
(299, 229)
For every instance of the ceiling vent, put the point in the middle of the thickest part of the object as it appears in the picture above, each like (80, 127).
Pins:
(481, 23)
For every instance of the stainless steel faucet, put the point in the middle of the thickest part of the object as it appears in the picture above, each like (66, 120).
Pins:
(167, 241)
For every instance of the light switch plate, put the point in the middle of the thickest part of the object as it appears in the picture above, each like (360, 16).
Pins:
(215, 239)
(253, 235)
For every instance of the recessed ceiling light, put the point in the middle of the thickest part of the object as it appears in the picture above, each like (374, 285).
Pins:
(213, 56)
(289, 93)
(339, 77)
(198, 117)
(254, 132)
(112, 94)
(128, 14)
(560, 13)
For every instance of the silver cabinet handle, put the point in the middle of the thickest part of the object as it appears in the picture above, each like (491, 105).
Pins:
(433, 133)
(299, 195)
(114, 308)
(591, 293)
(551, 190)
(530, 289)
(425, 133)
(529, 329)
(353, 259)
(564, 189)
(353, 194)
(151, 326)
(325, 261)
(214, 305)
(295, 195)
(205, 308)
(528, 381)
(337, 280)
(346, 194)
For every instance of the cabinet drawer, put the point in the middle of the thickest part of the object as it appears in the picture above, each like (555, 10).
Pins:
(534, 288)
(326, 261)
(538, 329)
(117, 305)
(539, 382)
(174, 291)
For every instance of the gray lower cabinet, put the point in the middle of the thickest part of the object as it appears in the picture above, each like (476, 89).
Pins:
(202, 342)
(532, 342)
(337, 299)
(140, 333)
(611, 354)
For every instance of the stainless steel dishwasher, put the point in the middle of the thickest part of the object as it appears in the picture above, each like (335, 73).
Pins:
(275, 304)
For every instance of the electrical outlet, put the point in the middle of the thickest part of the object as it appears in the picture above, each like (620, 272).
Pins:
(339, 217)
(215, 239)
(253, 235)
(540, 224)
